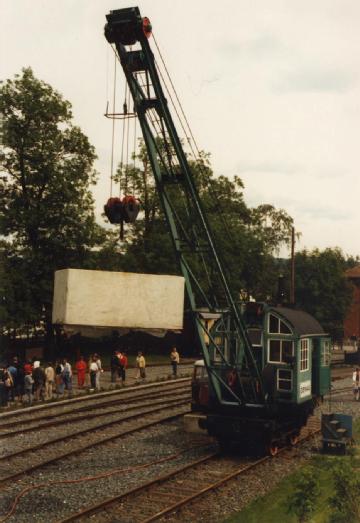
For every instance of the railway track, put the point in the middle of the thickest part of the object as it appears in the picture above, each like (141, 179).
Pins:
(93, 400)
(89, 412)
(339, 392)
(34, 457)
(170, 492)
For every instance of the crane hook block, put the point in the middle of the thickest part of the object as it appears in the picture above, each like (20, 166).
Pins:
(131, 208)
(119, 210)
(114, 210)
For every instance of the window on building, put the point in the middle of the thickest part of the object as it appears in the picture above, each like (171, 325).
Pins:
(280, 351)
(284, 380)
(326, 356)
(287, 349)
(304, 355)
(277, 326)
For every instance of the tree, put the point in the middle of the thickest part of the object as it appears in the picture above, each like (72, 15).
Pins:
(47, 215)
(303, 499)
(245, 238)
(321, 287)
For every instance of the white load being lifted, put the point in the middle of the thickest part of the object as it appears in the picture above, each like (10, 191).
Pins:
(118, 301)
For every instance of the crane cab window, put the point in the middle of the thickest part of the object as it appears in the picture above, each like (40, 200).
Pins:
(200, 372)
(255, 336)
(284, 380)
(280, 351)
(277, 326)
(304, 355)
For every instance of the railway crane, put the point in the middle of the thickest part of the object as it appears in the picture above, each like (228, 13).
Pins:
(244, 405)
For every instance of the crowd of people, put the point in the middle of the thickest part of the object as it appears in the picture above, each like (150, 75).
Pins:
(26, 381)
(29, 381)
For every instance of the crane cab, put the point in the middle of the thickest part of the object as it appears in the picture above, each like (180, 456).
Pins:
(292, 352)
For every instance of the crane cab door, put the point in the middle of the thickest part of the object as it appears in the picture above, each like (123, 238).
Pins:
(321, 366)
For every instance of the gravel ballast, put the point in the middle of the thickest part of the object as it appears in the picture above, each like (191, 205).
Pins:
(56, 502)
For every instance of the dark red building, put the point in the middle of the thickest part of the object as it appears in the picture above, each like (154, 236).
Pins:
(352, 320)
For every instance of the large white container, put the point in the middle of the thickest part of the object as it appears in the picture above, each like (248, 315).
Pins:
(118, 300)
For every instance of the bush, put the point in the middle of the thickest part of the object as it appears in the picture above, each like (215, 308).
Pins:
(302, 501)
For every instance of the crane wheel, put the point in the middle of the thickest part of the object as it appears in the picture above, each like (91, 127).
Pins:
(293, 439)
(273, 448)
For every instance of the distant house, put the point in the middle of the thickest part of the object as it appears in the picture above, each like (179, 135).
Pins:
(352, 319)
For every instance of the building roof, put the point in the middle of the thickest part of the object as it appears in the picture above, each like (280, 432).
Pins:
(302, 322)
(354, 272)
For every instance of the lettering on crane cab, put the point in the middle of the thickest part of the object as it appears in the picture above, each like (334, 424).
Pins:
(305, 389)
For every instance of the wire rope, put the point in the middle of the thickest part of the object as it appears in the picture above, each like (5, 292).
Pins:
(135, 143)
(127, 143)
(122, 145)
(156, 122)
(197, 156)
(113, 132)
(177, 98)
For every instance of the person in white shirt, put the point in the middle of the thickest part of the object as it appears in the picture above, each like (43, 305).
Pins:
(356, 383)
(49, 381)
(94, 370)
(100, 370)
(174, 360)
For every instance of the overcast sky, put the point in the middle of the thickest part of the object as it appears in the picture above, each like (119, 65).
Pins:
(270, 88)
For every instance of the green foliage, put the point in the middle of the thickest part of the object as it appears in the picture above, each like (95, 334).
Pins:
(321, 287)
(273, 506)
(303, 499)
(47, 215)
(245, 238)
(346, 498)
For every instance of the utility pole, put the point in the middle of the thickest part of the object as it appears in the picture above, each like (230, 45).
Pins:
(292, 282)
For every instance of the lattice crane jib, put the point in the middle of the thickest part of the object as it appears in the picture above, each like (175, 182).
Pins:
(234, 375)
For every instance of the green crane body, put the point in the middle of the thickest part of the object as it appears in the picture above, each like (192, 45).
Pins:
(190, 231)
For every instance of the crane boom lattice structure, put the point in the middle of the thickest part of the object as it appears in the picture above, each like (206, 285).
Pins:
(227, 352)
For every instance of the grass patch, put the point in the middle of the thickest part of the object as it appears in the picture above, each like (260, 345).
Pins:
(273, 507)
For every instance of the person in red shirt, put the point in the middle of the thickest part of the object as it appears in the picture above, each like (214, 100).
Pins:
(28, 368)
(123, 366)
(81, 370)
